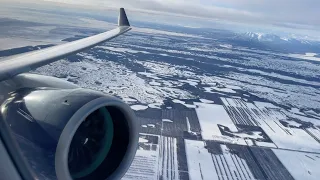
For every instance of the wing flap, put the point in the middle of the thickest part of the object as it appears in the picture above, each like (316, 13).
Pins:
(13, 65)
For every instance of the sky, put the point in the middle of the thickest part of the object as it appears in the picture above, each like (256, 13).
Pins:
(300, 13)
(290, 14)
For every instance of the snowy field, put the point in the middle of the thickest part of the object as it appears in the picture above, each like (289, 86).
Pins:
(156, 158)
(210, 160)
(300, 165)
(204, 165)
(212, 115)
(176, 101)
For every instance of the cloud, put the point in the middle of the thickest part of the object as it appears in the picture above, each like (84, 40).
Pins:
(178, 7)
(288, 11)
(269, 11)
(281, 13)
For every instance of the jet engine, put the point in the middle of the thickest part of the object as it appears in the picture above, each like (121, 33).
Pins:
(76, 133)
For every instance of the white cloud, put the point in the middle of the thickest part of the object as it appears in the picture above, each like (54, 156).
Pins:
(299, 14)
(272, 11)
(180, 7)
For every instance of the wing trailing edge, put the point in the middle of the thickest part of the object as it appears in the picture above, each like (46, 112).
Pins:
(14, 65)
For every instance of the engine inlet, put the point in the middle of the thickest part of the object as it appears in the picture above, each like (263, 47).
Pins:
(91, 143)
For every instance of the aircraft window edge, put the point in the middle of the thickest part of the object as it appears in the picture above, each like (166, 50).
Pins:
(13, 150)
(7, 168)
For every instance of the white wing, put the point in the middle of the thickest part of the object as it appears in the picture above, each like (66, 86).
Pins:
(13, 65)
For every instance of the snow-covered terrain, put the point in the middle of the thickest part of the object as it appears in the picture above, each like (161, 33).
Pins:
(300, 165)
(205, 95)
(306, 56)
(156, 157)
(223, 165)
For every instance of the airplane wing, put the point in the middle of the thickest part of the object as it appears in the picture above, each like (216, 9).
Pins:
(14, 65)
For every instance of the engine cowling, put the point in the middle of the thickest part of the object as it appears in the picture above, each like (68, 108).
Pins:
(78, 133)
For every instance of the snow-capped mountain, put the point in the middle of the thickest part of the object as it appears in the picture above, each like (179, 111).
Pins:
(260, 36)
(265, 37)
(290, 43)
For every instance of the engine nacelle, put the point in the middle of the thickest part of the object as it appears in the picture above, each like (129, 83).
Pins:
(76, 133)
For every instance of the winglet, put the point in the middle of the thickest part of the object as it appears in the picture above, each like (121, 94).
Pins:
(123, 20)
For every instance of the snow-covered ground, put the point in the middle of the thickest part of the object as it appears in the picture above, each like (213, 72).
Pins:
(200, 164)
(138, 107)
(206, 101)
(268, 117)
(210, 116)
(145, 163)
(156, 157)
(207, 166)
(90, 73)
(307, 56)
(301, 165)
(231, 108)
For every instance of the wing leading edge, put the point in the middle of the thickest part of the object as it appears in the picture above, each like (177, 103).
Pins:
(13, 65)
